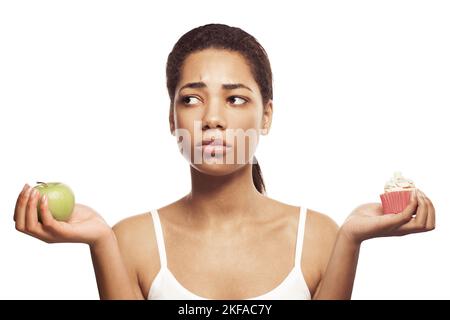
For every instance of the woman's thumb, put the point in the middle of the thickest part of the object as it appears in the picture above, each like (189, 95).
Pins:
(405, 216)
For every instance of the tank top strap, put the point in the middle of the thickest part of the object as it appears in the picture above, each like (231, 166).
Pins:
(300, 235)
(159, 238)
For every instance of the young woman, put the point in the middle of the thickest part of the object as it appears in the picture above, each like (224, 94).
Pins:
(226, 239)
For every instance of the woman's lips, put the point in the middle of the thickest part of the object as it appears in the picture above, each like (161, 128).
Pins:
(215, 142)
(214, 149)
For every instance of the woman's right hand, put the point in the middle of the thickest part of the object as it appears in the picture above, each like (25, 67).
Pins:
(84, 226)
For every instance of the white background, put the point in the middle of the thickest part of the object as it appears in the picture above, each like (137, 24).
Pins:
(362, 89)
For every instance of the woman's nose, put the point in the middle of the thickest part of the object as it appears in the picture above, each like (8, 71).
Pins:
(214, 117)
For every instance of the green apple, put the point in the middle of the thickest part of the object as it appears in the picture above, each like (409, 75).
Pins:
(60, 199)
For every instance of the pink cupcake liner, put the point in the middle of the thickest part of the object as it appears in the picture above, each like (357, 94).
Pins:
(395, 202)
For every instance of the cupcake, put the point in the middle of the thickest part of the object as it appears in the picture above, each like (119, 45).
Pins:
(397, 192)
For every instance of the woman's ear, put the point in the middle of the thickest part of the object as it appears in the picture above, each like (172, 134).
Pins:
(267, 117)
(171, 122)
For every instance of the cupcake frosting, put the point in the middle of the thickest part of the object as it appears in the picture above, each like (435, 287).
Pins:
(398, 183)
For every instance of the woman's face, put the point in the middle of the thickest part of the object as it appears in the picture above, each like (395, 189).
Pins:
(218, 113)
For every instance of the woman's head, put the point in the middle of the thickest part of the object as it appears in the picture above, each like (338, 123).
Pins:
(220, 86)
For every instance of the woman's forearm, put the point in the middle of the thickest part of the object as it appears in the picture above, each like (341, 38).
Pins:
(112, 278)
(337, 282)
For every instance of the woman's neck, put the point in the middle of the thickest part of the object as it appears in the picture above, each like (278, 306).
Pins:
(223, 201)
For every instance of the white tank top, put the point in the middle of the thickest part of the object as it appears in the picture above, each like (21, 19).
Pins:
(166, 287)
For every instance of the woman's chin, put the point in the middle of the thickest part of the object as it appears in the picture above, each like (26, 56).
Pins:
(216, 168)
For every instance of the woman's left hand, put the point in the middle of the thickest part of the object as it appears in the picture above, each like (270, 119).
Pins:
(368, 221)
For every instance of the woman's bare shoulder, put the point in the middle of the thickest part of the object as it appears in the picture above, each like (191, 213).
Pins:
(134, 226)
(315, 219)
(321, 224)
(139, 229)
(320, 230)
(320, 236)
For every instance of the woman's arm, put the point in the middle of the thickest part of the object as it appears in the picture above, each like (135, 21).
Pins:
(113, 278)
(337, 282)
(366, 222)
(85, 226)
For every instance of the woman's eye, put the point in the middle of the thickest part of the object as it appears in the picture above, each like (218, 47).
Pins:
(237, 100)
(190, 100)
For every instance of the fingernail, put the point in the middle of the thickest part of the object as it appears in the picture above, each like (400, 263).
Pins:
(33, 193)
(24, 187)
(44, 199)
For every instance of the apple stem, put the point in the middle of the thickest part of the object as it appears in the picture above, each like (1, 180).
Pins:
(39, 182)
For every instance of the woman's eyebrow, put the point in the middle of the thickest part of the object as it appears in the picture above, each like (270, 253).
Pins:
(227, 86)
(231, 86)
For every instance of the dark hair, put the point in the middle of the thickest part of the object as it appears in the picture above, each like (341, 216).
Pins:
(220, 36)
